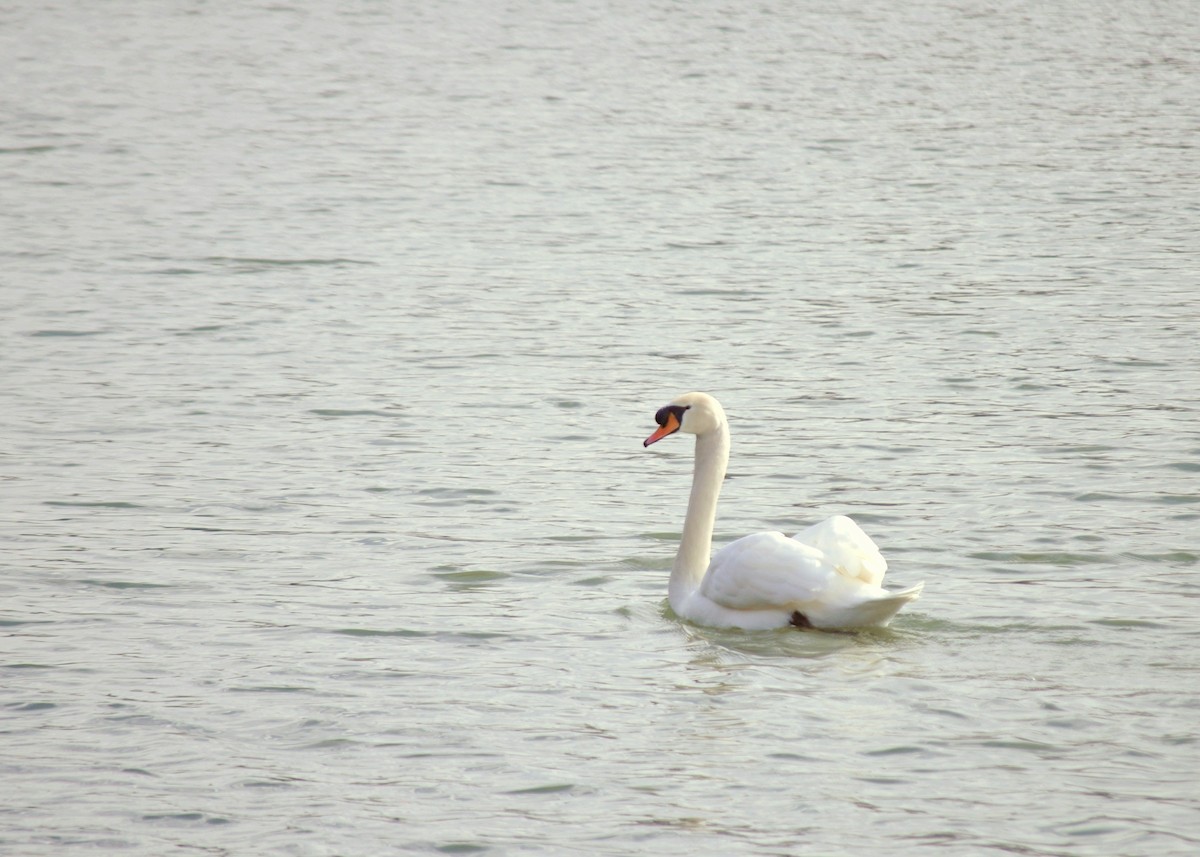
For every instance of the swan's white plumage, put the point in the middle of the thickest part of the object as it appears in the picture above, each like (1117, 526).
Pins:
(831, 573)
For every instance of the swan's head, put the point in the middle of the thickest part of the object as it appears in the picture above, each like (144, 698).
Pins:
(694, 413)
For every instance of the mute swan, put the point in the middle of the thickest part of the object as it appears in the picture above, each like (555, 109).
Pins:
(826, 577)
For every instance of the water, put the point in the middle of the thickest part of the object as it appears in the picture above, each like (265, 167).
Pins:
(330, 337)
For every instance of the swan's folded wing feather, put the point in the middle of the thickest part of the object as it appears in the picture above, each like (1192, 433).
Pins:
(766, 570)
(847, 548)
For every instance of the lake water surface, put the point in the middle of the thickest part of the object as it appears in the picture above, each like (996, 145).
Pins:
(330, 335)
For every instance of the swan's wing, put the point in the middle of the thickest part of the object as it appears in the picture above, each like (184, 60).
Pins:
(764, 571)
(847, 548)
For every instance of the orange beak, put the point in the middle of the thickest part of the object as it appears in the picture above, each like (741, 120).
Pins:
(669, 427)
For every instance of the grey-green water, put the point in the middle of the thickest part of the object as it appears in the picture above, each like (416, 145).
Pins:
(330, 336)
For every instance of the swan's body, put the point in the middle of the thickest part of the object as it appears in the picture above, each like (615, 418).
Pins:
(826, 577)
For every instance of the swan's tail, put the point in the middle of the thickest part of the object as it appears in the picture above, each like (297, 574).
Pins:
(875, 612)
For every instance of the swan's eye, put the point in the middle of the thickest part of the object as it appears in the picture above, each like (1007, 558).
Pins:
(667, 412)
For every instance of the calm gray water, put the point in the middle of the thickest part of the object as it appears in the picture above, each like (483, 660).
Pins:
(330, 336)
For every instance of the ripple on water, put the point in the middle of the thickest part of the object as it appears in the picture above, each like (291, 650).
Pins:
(1051, 558)
(186, 817)
(549, 789)
(66, 333)
(469, 578)
(125, 584)
(457, 496)
(338, 413)
(1128, 623)
(380, 632)
(1171, 558)
(94, 504)
(31, 706)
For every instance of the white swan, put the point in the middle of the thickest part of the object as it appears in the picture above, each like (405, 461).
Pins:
(826, 577)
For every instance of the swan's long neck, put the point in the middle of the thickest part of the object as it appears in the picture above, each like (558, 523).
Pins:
(695, 547)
